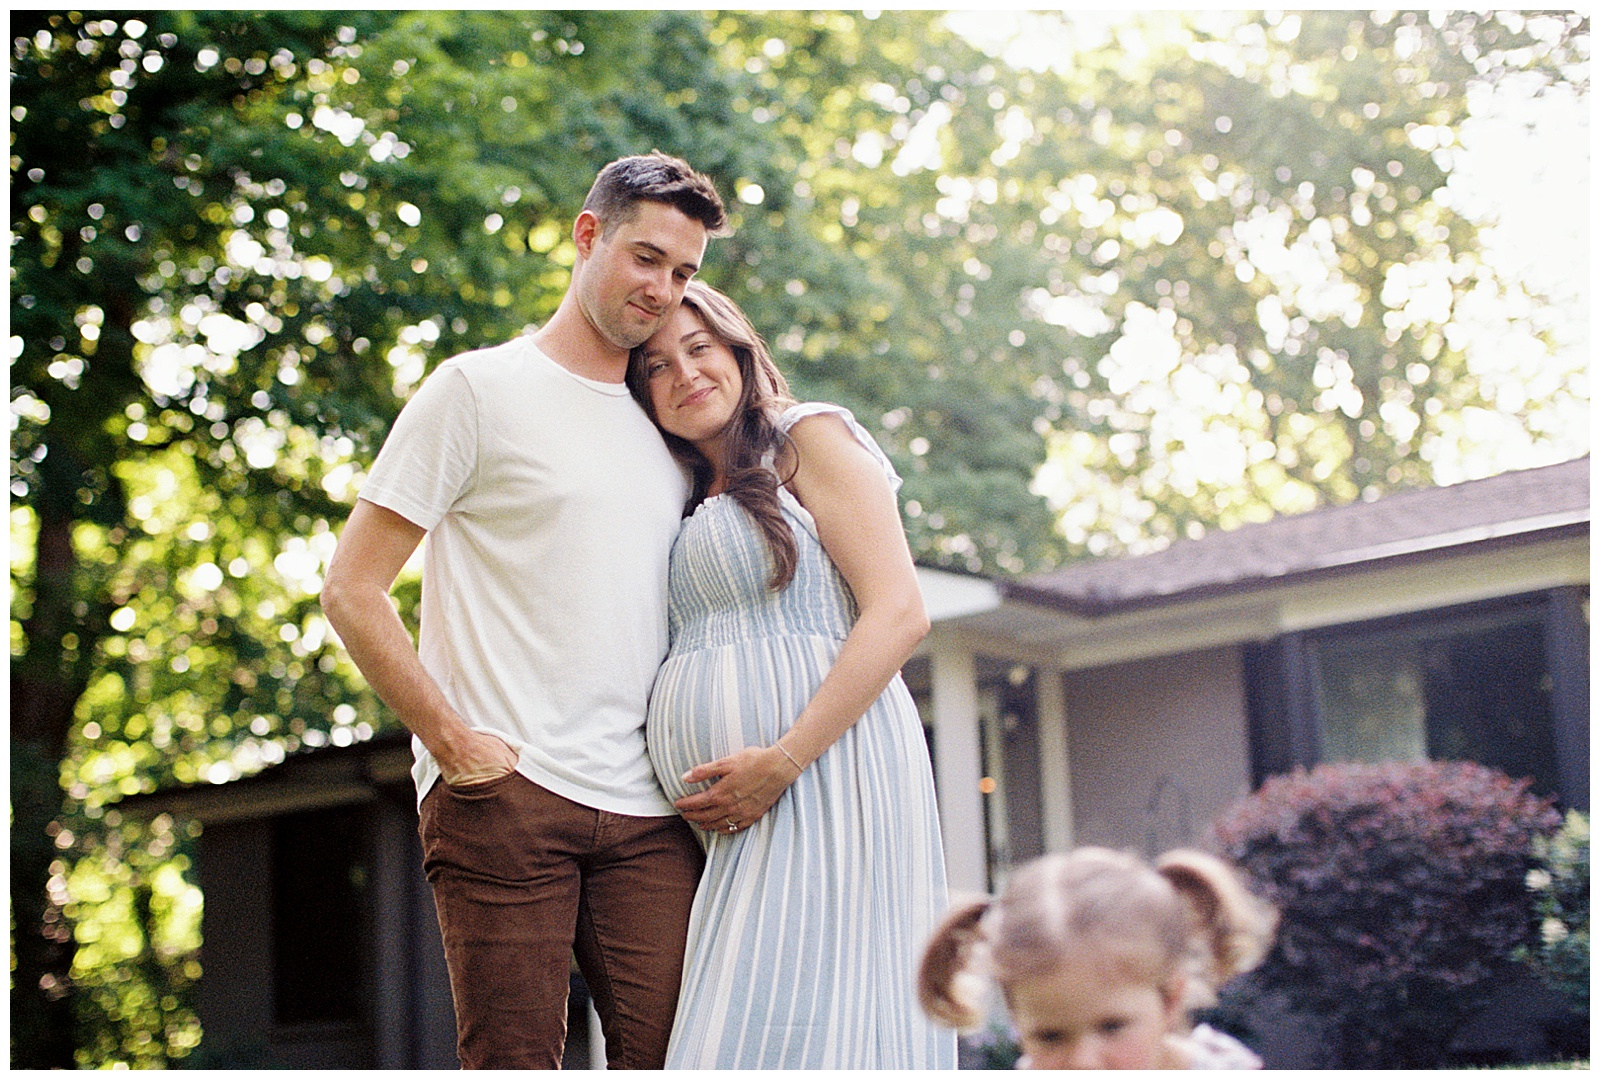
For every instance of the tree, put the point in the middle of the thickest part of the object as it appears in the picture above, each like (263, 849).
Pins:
(1202, 271)
(1257, 257)
(124, 204)
(885, 315)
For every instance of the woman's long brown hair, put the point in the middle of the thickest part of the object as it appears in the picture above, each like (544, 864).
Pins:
(752, 433)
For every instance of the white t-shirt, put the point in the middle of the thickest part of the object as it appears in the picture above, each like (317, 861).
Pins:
(551, 505)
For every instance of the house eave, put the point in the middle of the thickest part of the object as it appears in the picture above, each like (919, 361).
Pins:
(315, 779)
(1480, 540)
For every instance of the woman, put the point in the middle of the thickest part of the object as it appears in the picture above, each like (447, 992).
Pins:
(779, 724)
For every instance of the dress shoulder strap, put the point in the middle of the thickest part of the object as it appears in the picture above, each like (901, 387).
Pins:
(796, 413)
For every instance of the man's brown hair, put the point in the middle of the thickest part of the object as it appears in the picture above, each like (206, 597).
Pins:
(655, 177)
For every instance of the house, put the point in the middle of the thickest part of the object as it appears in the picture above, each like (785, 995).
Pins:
(1127, 702)
(1123, 702)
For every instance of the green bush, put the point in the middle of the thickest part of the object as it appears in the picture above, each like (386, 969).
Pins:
(1560, 888)
(1402, 895)
(995, 1047)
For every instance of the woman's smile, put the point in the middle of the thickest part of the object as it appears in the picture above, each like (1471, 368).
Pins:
(698, 397)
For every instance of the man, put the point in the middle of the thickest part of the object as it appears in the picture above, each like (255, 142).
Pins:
(550, 504)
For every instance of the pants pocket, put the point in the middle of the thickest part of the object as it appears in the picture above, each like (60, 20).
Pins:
(479, 829)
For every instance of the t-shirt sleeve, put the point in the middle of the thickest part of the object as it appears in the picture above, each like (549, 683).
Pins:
(796, 413)
(430, 458)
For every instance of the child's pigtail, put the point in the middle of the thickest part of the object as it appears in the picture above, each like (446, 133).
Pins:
(1233, 928)
(948, 987)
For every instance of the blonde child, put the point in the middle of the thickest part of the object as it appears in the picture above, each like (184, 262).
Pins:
(1101, 957)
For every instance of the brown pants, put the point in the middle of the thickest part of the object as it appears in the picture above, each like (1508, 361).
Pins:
(523, 879)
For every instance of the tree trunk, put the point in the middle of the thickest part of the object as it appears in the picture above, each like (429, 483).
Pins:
(44, 692)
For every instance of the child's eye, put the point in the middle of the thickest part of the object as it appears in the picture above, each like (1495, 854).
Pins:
(1111, 1027)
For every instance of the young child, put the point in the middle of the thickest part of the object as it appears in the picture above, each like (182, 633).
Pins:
(1101, 957)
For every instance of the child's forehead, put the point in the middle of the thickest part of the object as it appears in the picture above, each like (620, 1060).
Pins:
(1104, 959)
(1127, 959)
(1079, 991)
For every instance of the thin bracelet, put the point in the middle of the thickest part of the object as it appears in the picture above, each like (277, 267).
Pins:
(790, 756)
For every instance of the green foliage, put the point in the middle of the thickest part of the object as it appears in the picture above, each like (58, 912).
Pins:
(1401, 894)
(1560, 887)
(136, 921)
(1250, 279)
(995, 1047)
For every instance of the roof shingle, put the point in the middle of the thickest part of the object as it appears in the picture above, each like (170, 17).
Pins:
(1513, 504)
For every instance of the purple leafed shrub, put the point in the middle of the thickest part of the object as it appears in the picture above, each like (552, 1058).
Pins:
(1402, 893)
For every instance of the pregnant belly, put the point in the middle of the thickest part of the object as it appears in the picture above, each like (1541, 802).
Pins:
(709, 703)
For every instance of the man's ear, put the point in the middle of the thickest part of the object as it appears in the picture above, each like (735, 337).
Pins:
(585, 232)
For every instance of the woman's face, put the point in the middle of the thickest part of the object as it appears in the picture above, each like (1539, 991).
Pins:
(1093, 1016)
(693, 380)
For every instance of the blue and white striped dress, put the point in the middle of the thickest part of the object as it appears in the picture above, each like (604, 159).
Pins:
(807, 928)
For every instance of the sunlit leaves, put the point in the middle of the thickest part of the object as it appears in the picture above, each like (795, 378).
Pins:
(136, 922)
(1273, 189)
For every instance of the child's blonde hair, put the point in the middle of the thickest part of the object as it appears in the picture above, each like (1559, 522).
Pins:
(1187, 913)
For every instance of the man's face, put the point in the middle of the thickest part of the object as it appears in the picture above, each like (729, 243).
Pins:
(635, 271)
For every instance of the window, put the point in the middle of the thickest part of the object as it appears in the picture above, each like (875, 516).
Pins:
(1452, 690)
(319, 876)
(1503, 683)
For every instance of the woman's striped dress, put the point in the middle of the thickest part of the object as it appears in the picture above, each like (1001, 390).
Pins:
(807, 928)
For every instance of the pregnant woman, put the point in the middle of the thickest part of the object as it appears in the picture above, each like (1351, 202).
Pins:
(779, 724)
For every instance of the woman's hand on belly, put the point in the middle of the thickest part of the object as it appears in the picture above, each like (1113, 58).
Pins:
(747, 784)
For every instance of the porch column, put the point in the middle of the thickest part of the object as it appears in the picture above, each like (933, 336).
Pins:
(958, 764)
(1055, 763)
(1566, 635)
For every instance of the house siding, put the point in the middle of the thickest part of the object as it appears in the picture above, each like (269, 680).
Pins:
(1158, 748)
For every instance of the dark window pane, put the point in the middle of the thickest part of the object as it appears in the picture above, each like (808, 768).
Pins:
(1472, 686)
(1371, 699)
(1489, 701)
(318, 877)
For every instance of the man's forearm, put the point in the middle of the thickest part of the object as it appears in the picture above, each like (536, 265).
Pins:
(380, 647)
(355, 598)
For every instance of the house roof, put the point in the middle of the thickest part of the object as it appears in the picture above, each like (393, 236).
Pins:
(1552, 500)
(310, 779)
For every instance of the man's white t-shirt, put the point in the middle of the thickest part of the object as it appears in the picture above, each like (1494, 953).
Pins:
(551, 504)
